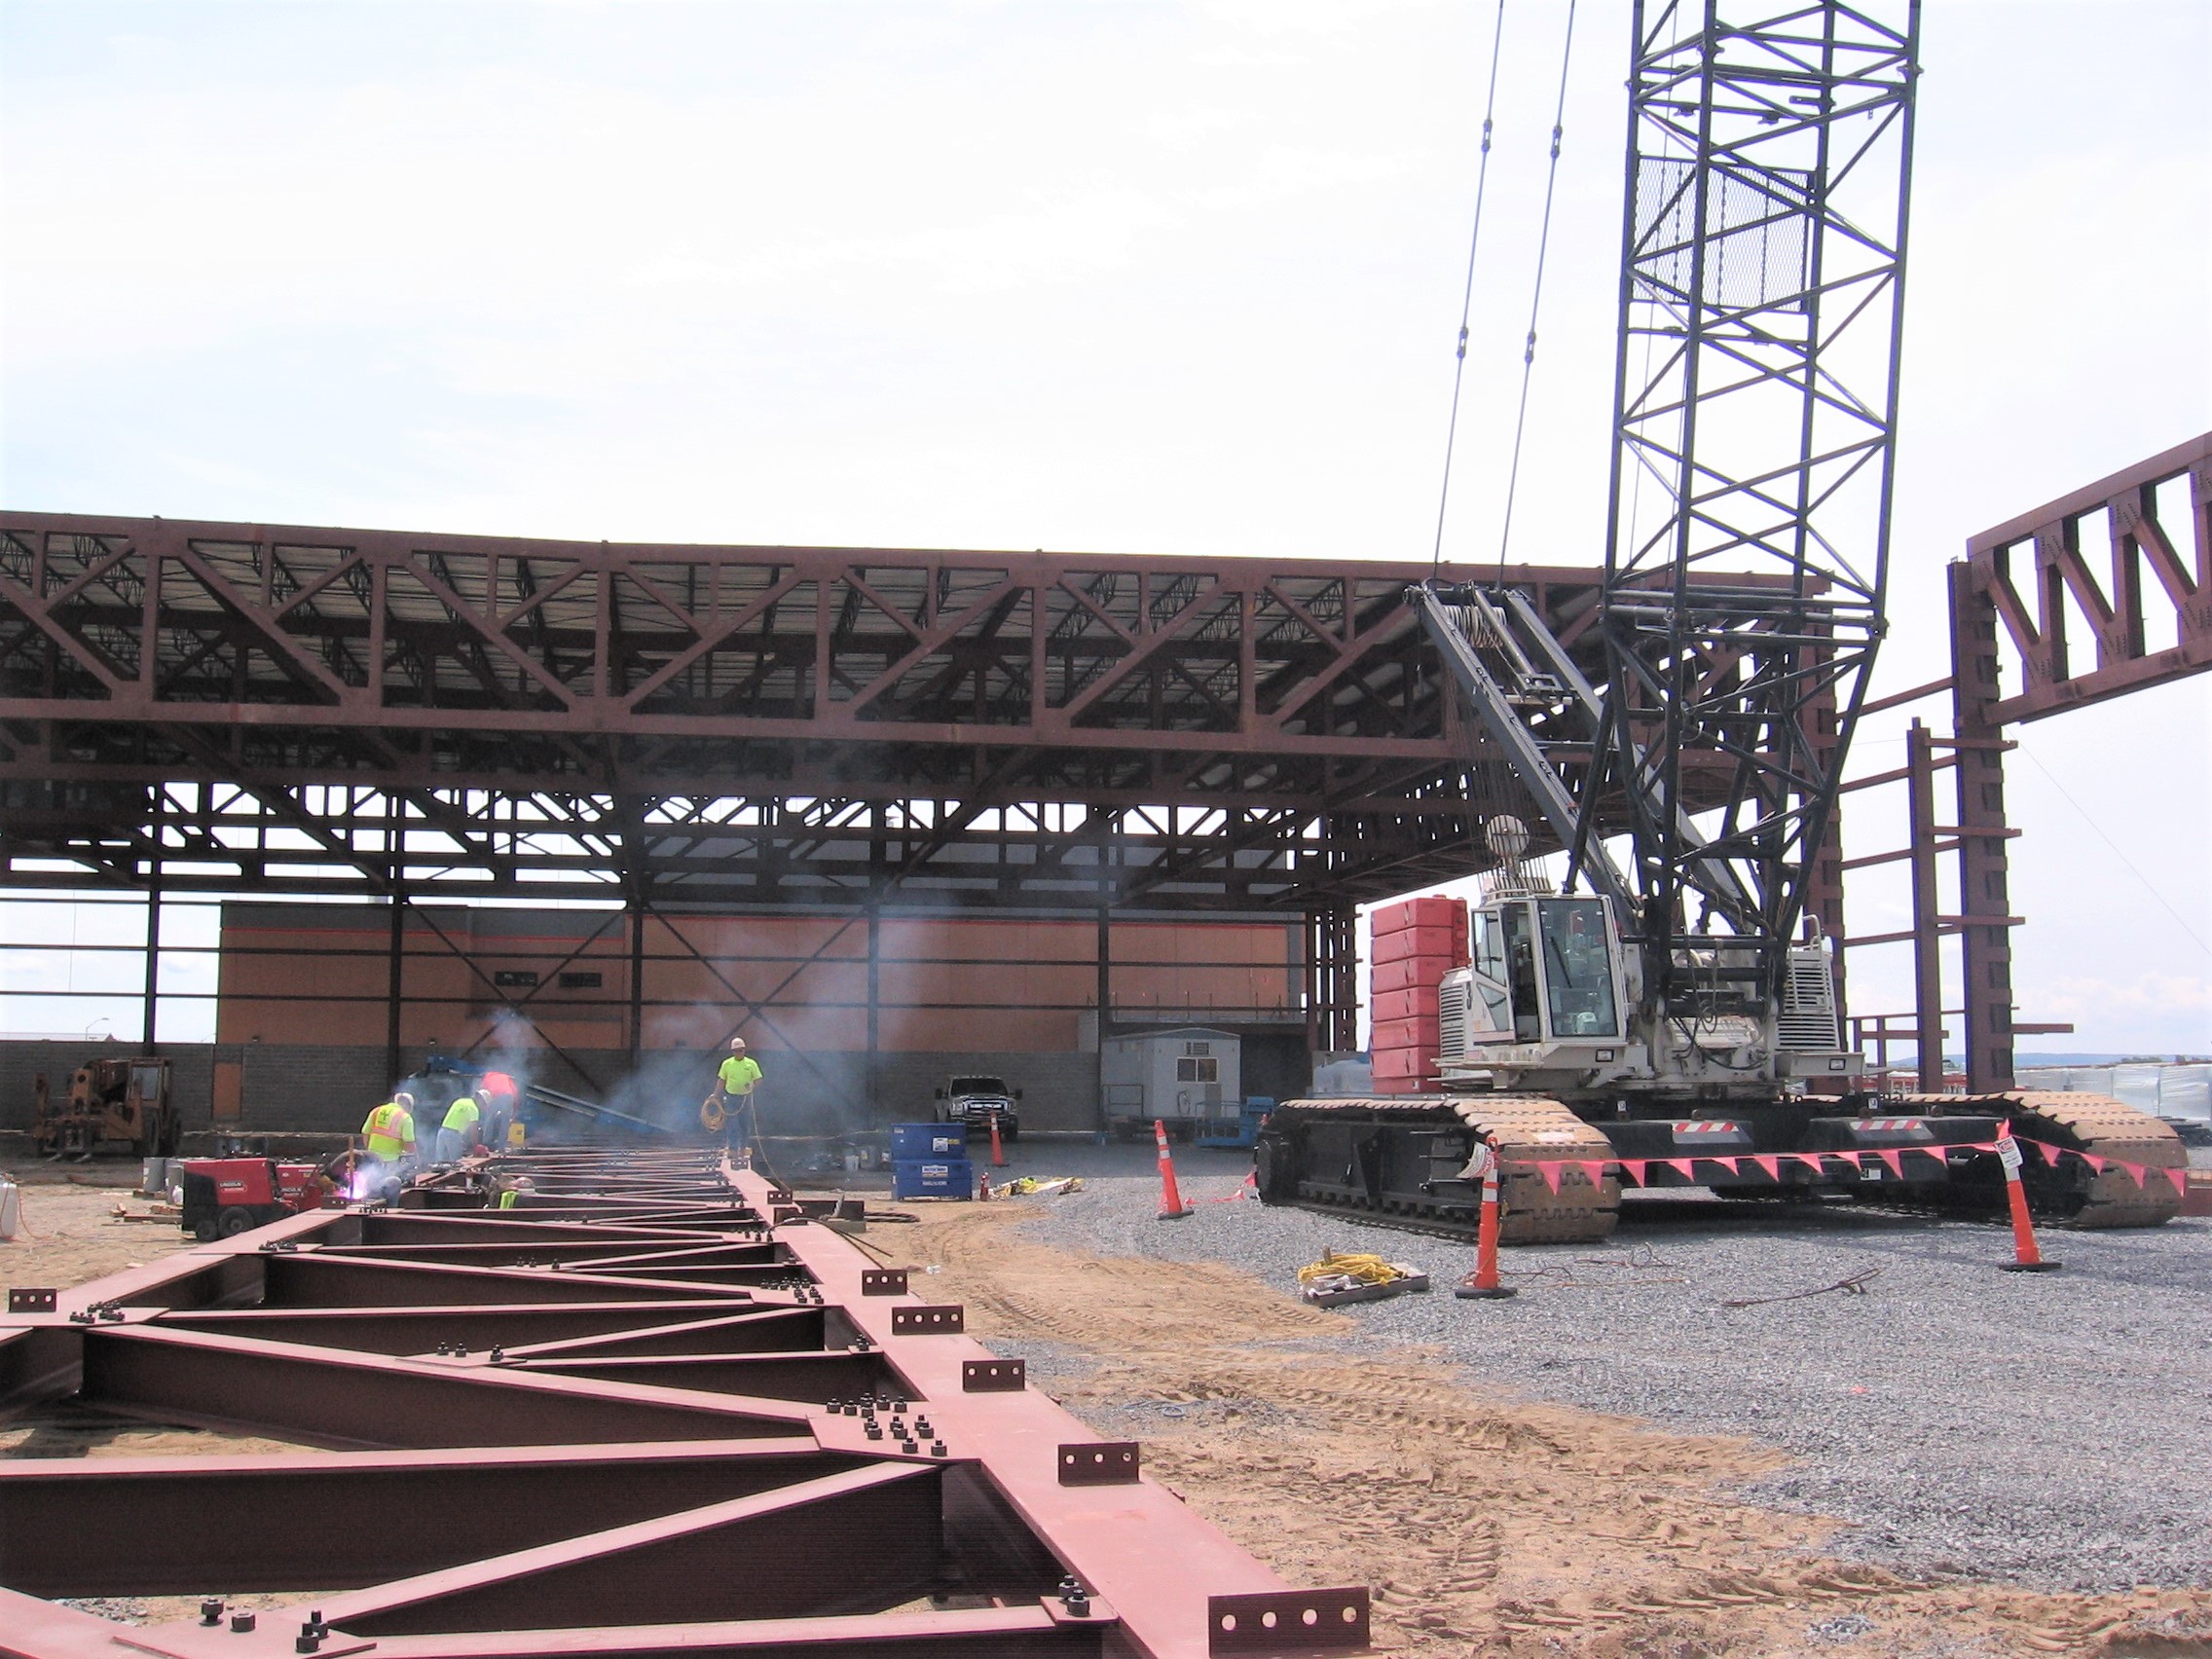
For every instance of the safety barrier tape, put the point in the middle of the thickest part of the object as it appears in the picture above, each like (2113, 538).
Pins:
(1595, 1170)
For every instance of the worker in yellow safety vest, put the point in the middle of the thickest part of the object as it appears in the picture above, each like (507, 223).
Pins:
(463, 1130)
(734, 1083)
(391, 1131)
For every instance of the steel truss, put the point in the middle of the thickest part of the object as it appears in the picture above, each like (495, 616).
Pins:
(601, 1425)
(1763, 258)
(233, 708)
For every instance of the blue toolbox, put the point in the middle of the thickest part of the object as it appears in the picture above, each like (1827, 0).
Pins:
(932, 1177)
(933, 1141)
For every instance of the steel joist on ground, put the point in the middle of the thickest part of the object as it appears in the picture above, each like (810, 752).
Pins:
(597, 1426)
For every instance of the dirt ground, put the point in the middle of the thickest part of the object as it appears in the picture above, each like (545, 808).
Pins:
(1484, 1524)
(69, 1231)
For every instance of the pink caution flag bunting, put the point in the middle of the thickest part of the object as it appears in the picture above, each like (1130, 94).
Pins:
(1851, 1157)
(1687, 1165)
(1549, 1170)
(1595, 1170)
(1810, 1161)
(2135, 1171)
(1728, 1163)
(1633, 1168)
(1769, 1162)
(1895, 1160)
(2050, 1154)
(2180, 1179)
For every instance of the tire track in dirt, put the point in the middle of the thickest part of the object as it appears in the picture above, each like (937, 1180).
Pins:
(1484, 1524)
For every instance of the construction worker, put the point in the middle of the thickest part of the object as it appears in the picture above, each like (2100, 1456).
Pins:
(463, 1130)
(513, 1190)
(734, 1084)
(390, 1133)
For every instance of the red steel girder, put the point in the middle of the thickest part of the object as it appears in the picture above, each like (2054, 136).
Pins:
(2060, 576)
(550, 1445)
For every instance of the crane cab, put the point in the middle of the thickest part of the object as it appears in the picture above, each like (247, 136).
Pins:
(1545, 989)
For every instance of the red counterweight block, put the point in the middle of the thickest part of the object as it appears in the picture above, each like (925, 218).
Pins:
(1402, 1071)
(1445, 946)
(1417, 941)
(1416, 1001)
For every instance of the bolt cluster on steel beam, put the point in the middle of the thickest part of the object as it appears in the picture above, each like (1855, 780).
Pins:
(660, 1406)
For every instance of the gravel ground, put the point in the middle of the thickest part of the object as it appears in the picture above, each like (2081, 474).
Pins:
(2049, 1429)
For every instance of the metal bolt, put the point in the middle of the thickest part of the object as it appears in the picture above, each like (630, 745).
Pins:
(460, 1350)
(304, 1643)
(498, 1354)
(241, 1624)
(114, 1316)
(318, 1623)
(212, 1611)
(937, 1448)
(1074, 1598)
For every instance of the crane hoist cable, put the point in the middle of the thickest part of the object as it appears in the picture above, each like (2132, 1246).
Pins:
(1467, 298)
(1537, 297)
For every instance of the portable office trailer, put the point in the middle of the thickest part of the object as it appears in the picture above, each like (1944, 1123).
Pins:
(1182, 1077)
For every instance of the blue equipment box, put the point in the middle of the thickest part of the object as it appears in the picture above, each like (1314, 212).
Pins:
(933, 1178)
(933, 1141)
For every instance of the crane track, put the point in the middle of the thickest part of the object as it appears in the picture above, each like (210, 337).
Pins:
(1341, 1168)
(2073, 1193)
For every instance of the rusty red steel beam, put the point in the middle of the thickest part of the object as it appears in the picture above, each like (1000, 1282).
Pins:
(2065, 588)
(658, 1474)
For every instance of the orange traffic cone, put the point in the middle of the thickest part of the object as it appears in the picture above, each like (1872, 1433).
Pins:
(998, 1153)
(1171, 1204)
(2026, 1257)
(1481, 1285)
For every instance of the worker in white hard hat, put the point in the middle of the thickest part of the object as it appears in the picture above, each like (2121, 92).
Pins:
(734, 1083)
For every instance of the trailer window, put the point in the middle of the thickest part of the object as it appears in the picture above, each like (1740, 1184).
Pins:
(1197, 1071)
(1578, 969)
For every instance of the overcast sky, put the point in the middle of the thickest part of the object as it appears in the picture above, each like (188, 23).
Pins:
(1158, 279)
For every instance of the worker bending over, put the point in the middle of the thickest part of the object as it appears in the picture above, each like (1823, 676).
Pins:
(734, 1084)
(390, 1136)
(462, 1131)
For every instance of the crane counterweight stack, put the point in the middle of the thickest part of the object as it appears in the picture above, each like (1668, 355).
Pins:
(1701, 720)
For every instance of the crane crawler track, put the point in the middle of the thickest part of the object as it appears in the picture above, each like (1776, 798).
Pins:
(2074, 1194)
(1395, 1161)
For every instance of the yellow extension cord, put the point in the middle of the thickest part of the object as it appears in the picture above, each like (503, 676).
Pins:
(1361, 1269)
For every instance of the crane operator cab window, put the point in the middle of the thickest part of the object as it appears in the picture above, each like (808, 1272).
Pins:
(1521, 972)
(1578, 968)
(1494, 1013)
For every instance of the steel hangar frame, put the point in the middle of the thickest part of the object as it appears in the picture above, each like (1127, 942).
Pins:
(205, 708)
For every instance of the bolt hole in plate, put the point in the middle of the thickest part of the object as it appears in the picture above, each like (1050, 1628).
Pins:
(1098, 1462)
(943, 1320)
(883, 1281)
(25, 1299)
(1288, 1621)
(994, 1376)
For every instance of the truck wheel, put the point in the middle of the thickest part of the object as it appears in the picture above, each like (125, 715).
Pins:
(203, 1230)
(234, 1219)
